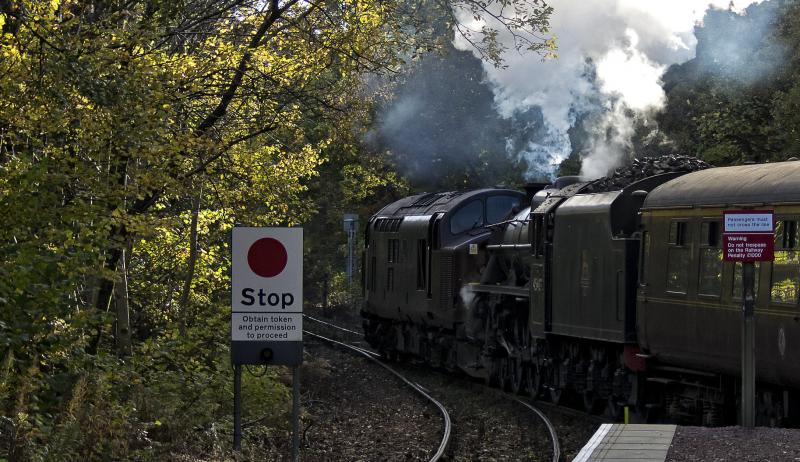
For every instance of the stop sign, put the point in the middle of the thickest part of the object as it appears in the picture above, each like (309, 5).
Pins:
(266, 295)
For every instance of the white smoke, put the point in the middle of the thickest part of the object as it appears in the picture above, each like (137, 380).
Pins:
(629, 44)
(467, 296)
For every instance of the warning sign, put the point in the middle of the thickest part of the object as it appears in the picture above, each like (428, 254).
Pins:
(267, 296)
(267, 269)
(748, 247)
(748, 236)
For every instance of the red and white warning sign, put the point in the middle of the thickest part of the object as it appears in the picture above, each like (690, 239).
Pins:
(749, 235)
(267, 284)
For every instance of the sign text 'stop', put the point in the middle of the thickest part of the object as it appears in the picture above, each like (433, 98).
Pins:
(267, 270)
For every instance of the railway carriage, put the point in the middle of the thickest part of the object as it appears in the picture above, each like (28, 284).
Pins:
(690, 300)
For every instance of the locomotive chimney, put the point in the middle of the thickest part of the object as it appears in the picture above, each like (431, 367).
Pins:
(532, 188)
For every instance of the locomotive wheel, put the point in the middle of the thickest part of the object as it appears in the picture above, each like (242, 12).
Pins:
(516, 376)
(556, 395)
(425, 352)
(614, 409)
(451, 362)
(533, 380)
(494, 378)
(504, 373)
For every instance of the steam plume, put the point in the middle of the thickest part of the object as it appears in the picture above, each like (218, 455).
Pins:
(612, 54)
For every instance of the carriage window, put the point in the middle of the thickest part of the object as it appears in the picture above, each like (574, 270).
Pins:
(677, 233)
(469, 217)
(390, 280)
(677, 276)
(678, 257)
(737, 279)
(709, 230)
(786, 267)
(498, 207)
(786, 235)
(421, 251)
(785, 276)
(710, 279)
(710, 282)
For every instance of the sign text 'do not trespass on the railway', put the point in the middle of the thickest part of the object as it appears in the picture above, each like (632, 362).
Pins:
(748, 236)
(267, 295)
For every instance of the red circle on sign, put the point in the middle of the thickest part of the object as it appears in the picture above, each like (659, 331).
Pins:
(267, 257)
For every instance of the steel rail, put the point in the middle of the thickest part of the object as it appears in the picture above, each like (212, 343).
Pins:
(416, 387)
(332, 325)
(550, 428)
(548, 424)
(542, 416)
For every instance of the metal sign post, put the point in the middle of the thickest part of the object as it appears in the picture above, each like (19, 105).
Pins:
(748, 345)
(748, 238)
(267, 309)
(237, 407)
(295, 413)
(350, 223)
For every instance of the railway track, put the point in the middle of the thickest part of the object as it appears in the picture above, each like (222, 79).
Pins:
(372, 356)
(544, 404)
(553, 435)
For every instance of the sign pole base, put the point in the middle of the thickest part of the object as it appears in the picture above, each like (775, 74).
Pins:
(295, 413)
(237, 407)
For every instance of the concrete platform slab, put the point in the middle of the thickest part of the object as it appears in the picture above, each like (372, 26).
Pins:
(626, 443)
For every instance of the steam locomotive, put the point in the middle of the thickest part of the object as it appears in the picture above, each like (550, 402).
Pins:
(600, 296)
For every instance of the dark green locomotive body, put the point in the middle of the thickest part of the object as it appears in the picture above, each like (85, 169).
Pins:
(421, 250)
(616, 298)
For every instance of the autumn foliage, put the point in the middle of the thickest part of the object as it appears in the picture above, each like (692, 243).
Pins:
(133, 136)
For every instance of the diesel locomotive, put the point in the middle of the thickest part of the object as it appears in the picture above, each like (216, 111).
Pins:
(605, 297)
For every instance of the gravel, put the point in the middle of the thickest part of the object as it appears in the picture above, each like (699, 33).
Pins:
(735, 444)
(356, 411)
(487, 425)
(490, 426)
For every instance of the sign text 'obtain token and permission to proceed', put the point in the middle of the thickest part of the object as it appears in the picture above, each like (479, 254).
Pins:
(267, 326)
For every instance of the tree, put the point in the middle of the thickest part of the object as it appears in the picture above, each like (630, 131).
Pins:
(736, 91)
(148, 129)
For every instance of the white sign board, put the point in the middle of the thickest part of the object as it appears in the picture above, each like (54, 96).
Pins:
(266, 293)
(744, 222)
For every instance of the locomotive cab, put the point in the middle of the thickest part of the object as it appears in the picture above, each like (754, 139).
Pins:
(419, 252)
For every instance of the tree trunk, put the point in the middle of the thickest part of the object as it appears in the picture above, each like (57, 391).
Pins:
(192, 264)
(122, 336)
